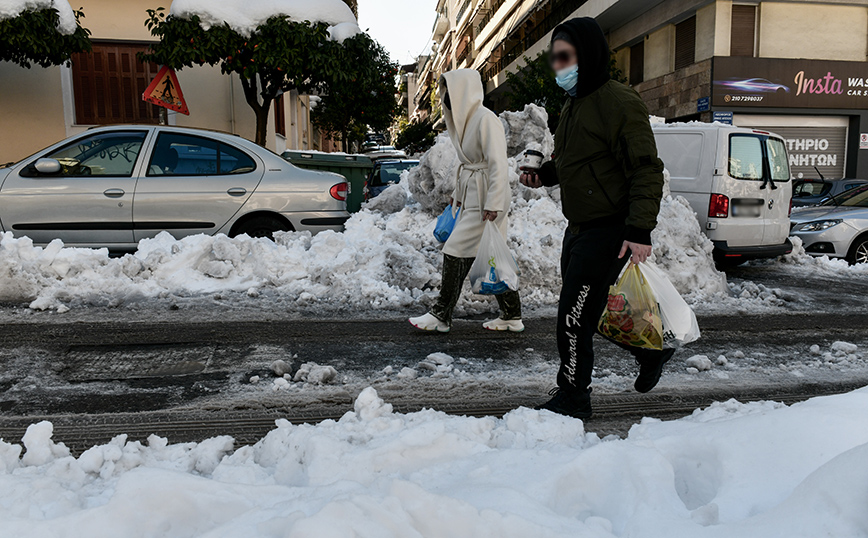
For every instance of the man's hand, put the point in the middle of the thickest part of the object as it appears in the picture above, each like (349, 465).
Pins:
(640, 252)
(452, 202)
(489, 215)
(530, 178)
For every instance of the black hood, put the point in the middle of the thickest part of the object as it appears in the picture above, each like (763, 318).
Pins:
(592, 49)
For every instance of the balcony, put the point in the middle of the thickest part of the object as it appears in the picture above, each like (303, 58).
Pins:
(559, 11)
(495, 5)
(464, 49)
(461, 11)
(441, 26)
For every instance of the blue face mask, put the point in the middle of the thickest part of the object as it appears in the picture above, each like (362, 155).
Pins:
(568, 77)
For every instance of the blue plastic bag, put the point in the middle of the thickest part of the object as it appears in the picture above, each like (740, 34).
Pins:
(445, 224)
(494, 271)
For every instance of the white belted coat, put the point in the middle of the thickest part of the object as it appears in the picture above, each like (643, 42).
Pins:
(482, 182)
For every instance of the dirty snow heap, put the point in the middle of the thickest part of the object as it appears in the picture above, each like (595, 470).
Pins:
(386, 259)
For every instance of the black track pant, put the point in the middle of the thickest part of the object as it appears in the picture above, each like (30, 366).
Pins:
(589, 266)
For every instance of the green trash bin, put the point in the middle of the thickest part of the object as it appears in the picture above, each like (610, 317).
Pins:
(356, 168)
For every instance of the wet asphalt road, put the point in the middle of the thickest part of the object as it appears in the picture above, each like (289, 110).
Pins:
(178, 374)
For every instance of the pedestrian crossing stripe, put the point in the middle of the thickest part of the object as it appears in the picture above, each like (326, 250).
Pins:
(165, 91)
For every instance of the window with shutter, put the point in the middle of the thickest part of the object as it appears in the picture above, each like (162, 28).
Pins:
(108, 84)
(279, 116)
(743, 32)
(685, 43)
(637, 63)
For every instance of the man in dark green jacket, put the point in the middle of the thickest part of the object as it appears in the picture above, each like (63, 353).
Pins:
(611, 184)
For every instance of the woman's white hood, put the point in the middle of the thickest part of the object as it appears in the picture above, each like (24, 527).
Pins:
(466, 94)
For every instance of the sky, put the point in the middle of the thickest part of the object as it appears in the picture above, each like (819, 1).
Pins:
(403, 27)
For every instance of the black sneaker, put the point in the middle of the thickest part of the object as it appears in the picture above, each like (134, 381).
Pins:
(572, 403)
(650, 369)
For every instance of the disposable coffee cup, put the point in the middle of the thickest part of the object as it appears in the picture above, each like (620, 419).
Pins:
(532, 159)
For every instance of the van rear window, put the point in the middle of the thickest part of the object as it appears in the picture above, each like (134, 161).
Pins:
(757, 157)
(778, 164)
(745, 157)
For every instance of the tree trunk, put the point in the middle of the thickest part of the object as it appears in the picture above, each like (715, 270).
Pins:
(261, 110)
(262, 123)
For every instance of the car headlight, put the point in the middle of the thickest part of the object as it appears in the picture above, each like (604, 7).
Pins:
(819, 225)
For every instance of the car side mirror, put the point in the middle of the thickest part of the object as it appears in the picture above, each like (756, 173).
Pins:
(48, 167)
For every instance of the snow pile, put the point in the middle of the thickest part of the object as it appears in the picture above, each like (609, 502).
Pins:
(66, 24)
(386, 259)
(311, 372)
(822, 265)
(699, 362)
(747, 470)
(244, 16)
(683, 251)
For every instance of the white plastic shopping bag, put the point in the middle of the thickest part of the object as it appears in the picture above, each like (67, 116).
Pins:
(494, 271)
(679, 322)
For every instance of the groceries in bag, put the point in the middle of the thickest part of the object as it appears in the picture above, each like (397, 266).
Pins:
(679, 321)
(445, 224)
(494, 271)
(632, 316)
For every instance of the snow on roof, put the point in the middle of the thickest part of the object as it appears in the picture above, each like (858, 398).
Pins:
(244, 16)
(13, 8)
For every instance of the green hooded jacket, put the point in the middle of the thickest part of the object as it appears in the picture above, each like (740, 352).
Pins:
(605, 158)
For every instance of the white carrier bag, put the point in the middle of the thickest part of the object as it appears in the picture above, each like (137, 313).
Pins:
(494, 271)
(679, 322)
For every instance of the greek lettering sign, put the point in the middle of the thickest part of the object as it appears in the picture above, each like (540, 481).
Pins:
(722, 117)
(823, 147)
(764, 82)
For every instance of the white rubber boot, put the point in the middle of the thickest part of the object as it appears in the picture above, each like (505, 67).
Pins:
(513, 325)
(429, 323)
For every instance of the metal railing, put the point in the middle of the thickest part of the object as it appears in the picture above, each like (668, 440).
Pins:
(561, 9)
(495, 5)
(461, 11)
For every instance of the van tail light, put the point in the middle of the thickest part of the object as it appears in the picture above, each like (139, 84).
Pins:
(790, 212)
(339, 192)
(718, 206)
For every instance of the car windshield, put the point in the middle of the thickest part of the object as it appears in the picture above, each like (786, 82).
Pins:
(811, 188)
(857, 197)
(390, 173)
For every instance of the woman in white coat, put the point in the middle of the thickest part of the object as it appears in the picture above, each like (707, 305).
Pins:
(481, 191)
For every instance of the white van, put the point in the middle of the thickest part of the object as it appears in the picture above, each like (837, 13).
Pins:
(737, 181)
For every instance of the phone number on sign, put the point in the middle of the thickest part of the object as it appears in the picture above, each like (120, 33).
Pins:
(734, 98)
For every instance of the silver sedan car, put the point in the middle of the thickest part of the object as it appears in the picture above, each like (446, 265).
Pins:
(114, 186)
(838, 228)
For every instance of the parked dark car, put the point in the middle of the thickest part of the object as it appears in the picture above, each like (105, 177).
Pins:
(808, 191)
(385, 174)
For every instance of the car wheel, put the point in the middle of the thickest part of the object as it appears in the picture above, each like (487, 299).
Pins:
(859, 251)
(262, 226)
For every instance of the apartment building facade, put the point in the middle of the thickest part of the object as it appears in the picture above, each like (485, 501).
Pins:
(795, 67)
(44, 105)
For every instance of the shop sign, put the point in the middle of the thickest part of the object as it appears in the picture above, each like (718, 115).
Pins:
(765, 82)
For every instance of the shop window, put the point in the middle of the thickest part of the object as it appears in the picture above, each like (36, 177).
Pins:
(279, 116)
(685, 43)
(108, 84)
(743, 31)
(637, 63)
